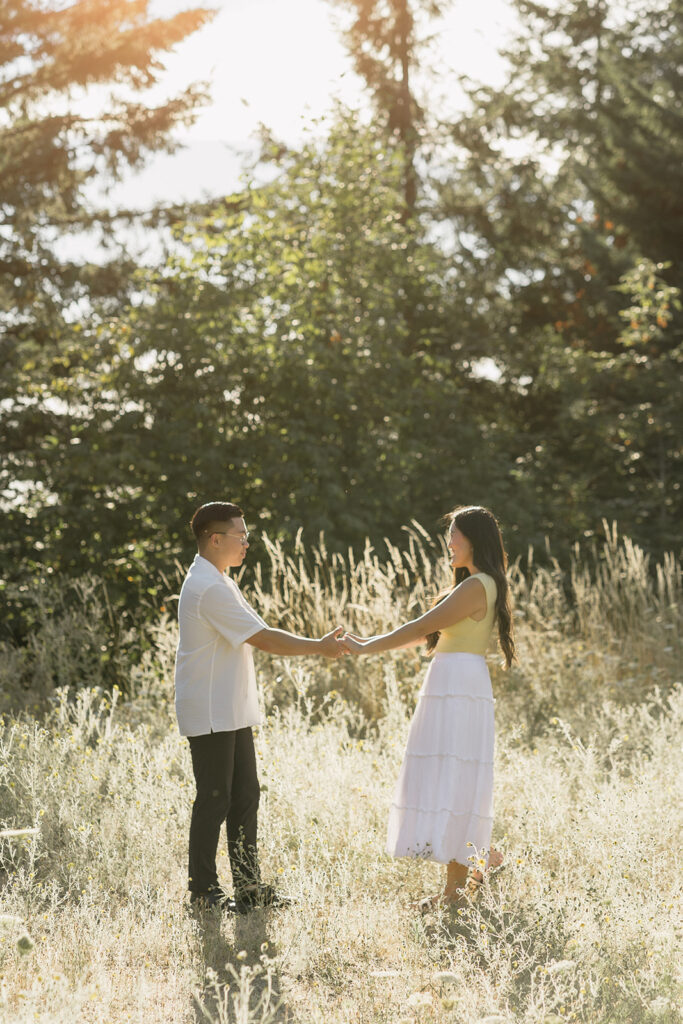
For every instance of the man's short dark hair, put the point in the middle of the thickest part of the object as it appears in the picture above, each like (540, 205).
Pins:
(208, 516)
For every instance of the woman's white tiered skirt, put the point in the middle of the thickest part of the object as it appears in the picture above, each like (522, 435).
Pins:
(444, 794)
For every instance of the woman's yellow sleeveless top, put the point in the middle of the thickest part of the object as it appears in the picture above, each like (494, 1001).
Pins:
(469, 636)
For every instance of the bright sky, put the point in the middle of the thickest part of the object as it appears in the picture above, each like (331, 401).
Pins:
(281, 63)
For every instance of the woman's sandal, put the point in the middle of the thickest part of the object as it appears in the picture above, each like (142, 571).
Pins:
(473, 885)
(428, 903)
(473, 888)
(463, 899)
(466, 896)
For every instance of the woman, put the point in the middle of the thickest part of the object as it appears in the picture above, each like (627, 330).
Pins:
(443, 803)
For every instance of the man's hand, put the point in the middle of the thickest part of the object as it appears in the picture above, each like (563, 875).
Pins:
(329, 645)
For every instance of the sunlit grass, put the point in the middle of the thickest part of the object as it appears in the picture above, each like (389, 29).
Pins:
(580, 924)
(583, 916)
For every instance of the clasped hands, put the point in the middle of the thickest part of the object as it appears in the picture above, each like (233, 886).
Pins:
(337, 642)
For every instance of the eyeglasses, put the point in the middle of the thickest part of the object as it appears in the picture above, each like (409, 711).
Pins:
(244, 537)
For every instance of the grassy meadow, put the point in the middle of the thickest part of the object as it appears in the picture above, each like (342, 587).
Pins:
(582, 923)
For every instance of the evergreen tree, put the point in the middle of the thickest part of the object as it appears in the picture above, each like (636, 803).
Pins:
(563, 182)
(51, 58)
(384, 45)
(267, 357)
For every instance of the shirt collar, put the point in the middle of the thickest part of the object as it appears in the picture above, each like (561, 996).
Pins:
(204, 566)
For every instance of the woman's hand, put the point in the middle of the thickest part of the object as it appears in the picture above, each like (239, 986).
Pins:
(352, 644)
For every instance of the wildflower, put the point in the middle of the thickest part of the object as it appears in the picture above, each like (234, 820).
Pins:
(10, 920)
(445, 978)
(561, 965)
(242, 955)
(419, 999)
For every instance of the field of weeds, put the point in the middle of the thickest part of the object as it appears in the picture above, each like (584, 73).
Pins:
(582, 923)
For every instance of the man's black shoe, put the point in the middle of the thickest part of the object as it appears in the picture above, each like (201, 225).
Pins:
(213, 897)
(258, 897)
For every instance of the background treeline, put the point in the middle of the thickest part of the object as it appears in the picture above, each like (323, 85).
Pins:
(406, 312)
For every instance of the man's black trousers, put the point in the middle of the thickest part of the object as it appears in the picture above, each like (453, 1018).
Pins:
(224, 765)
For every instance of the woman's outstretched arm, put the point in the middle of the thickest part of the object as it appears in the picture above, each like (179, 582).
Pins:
(366, 639)
(466, 600)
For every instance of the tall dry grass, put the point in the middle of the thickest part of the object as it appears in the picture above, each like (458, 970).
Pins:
(605, 626)
(582, 924)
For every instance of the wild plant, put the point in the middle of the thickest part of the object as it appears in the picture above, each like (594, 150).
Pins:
(581, 923)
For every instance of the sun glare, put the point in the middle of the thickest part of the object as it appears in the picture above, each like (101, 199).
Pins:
(282, 65)
(278, 63)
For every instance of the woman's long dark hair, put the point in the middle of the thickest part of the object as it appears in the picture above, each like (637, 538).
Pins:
(488, 554)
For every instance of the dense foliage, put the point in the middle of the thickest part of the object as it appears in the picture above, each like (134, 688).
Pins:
(569, 186)
(361, 335)
(73, 118)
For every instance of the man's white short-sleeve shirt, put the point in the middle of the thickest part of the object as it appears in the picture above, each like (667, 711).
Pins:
(215, 681)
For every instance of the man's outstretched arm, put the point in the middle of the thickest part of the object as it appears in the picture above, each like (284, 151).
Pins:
(279, 641)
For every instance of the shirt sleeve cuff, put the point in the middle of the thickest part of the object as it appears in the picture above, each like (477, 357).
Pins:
(250, 630)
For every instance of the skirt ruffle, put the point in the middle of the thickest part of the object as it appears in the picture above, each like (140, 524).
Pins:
(444, 793)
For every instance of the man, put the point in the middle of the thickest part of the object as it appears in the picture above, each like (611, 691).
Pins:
(217, 706)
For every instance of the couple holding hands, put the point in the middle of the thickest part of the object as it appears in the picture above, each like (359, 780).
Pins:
(443, 801)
